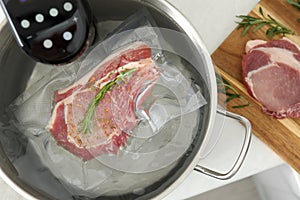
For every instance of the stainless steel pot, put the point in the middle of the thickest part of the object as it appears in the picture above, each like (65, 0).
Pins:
(16, 69)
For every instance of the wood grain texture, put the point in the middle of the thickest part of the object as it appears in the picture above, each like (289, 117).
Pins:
(282, 135)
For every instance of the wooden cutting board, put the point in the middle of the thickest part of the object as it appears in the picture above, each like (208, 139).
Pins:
(282, 135)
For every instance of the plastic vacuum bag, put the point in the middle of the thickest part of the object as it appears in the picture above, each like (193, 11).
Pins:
(167, 120)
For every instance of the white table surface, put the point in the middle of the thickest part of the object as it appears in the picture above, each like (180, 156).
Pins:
(214, 20)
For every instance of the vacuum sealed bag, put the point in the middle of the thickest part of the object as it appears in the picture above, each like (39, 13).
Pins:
(119, 117)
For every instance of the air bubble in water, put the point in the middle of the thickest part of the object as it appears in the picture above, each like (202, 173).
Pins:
(135, 156)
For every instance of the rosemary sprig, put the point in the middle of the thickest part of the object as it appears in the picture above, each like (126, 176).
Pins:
(296, 4)
(275, 27)
(231, 93)
(100, 95)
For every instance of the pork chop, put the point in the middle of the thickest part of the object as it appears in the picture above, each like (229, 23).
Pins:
(271, 73)
(114, 116)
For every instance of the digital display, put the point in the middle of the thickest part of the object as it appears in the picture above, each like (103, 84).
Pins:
(16, 1)
(24, 1)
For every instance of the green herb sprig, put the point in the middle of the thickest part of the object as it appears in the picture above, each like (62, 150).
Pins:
(100, 95)
(224, 87)
(275, 28)
(296, 4)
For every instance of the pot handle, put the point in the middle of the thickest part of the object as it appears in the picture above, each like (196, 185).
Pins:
(242, 155)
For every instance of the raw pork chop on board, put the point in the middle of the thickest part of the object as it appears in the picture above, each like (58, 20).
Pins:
(114, 116)
(271, 73)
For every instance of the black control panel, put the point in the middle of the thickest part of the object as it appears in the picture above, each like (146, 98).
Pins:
(50, 31)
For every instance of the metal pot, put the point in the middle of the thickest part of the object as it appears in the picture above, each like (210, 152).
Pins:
(16, 69)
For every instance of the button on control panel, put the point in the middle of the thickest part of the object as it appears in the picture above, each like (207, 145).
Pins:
(51, 31)
(68, 6)
(25, 24)
(53, 12)
(39, 18)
